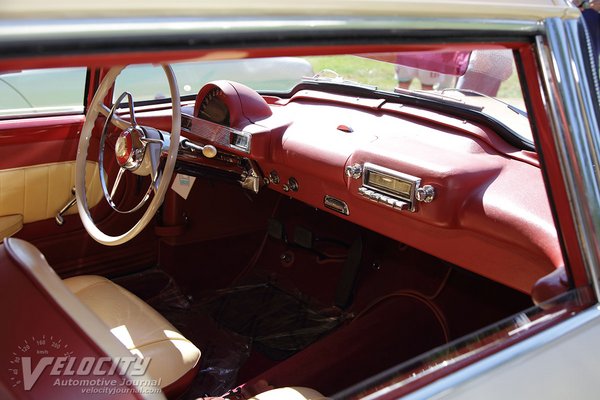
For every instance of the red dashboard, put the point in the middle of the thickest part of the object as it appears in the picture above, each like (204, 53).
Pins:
(443, 184)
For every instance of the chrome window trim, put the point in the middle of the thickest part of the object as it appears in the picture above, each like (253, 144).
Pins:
(170, 26)
(575, 131)
(188, 32)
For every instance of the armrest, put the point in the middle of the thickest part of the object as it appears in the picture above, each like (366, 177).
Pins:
(9, 225)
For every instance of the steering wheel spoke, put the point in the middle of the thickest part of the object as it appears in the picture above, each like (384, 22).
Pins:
(117, 121)
(154, 153)
(156, 182)
(117, 181)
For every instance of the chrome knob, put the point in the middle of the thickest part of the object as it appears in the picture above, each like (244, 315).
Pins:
(425, 194)
(209, 151)
(354, 171)
(293, 184)
(274, 177)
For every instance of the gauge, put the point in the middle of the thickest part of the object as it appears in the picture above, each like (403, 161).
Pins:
(213, 108)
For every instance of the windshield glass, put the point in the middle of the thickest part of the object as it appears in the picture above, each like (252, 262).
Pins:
(147, 82)
(485, 80)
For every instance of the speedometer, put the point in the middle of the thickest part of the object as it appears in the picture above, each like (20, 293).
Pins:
(213, 108)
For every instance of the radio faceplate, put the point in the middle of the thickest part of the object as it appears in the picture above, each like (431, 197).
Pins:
(389, 187)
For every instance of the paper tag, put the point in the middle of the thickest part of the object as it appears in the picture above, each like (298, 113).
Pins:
(182, 184)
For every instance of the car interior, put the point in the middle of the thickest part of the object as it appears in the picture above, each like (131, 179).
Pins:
(308, 237)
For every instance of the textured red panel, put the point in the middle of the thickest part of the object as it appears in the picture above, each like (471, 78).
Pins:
(491, 213)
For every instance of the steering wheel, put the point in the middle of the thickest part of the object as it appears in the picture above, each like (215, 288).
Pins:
(137, 149)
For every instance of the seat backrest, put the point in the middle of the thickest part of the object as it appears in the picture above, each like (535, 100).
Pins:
(43, 315)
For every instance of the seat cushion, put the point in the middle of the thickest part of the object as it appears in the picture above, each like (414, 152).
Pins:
(139, 327)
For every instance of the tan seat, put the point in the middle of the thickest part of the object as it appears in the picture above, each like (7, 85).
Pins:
(111, 309)
(290, 393)
(140, 328)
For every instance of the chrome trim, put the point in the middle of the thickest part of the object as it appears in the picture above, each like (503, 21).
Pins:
(354, 171)
(408, 199)
(575, 132)
(208, 150)
(425, 194)
(274, 177)
(215, 133)
(35, 30)
(380, 198)
(251, 178)
(335, 204)
(47, 37)
(247, 147)
(59, 219)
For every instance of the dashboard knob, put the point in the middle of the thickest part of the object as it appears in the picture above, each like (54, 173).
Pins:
(293, 184)
(354, 171)
(274, 177)
(209, 151)
(425, 194)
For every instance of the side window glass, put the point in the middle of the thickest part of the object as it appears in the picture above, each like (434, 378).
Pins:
(42, 92)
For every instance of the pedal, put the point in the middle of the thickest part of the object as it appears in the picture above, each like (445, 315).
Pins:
(303, 237)
(344, 291)
(276, 229)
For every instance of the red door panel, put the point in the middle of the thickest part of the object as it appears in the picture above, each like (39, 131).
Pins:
(69, 249)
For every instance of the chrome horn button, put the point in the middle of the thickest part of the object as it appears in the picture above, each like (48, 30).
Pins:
(129, 149)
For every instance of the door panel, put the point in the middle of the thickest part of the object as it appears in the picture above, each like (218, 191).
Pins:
(33, 141)
(38, 192)
(37, 156)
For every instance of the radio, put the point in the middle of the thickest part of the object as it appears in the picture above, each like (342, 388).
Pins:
(392, 188)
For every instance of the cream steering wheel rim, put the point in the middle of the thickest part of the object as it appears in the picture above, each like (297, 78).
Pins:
(82, 151)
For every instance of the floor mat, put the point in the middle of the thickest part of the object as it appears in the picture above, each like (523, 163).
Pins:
(279, 321)
(223, 351)
(229, 323)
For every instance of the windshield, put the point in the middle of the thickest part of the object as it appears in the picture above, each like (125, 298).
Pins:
(485, 80)
(148, 82)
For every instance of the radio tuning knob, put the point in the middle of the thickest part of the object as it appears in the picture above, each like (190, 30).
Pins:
(425, 194)
(354, 171)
